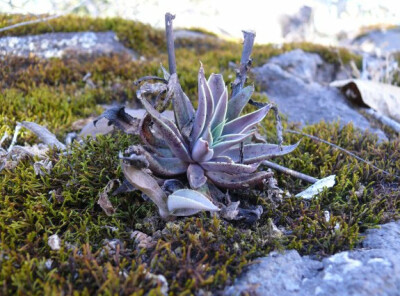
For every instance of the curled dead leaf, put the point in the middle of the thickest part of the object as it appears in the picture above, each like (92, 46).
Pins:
(103, 200)
(384, 98)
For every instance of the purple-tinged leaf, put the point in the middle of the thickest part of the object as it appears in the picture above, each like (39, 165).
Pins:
(167, 166)
(183, 108)
(169, 132)
(207, 136)
(237, 103)
(172, 185)
(229, 142)
(195, 175)
(186, 202)
(229, 168)
(208, 95)
(258, 152)
(222, 159)
(246, 122)
(148, 185)
(201, 151)
(220, 110)
(200, 117)
(217, 86)
(240, 181)
(162, 166)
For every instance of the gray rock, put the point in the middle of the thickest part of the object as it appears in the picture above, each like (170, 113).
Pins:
(385, 237)
(294, 81)
(56, 45)
(309, 67)
(387, 41)
(277, 274)
(189, 34)
(373, 271)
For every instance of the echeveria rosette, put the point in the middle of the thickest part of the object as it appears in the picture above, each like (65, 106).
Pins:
(206, 144)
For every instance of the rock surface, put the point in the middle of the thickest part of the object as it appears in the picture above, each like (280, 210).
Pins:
(56, 45)
(297, 82)
(371, 270)
(188, 34)
(386, 41)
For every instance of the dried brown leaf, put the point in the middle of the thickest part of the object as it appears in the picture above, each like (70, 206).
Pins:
(143, 240)
(384, 98)
(103, 201)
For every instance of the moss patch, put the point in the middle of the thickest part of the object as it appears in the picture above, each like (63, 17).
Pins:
(98, 255)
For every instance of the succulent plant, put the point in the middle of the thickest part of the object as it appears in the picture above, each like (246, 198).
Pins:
(211, 144)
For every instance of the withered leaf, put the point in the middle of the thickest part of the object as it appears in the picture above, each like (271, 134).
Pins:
(384, 98)
(42, 167)
(103, 201)
(143, 240)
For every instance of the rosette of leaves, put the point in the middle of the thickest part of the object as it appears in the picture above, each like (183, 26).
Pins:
(209, 145)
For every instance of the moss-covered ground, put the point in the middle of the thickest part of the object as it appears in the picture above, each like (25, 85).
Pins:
(201, 253)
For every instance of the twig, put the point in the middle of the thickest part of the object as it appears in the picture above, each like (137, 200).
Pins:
(279, 128)
(394, 125)
(290, 172)
(169, 34)
(40, 20)
(241, 72)
(241, 152)
(15, 136)
(245, 62)
(339, 148)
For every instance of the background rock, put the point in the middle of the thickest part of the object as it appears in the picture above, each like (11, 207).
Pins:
(188, 34)
(386, 41)
(56, 45)
(295, 82)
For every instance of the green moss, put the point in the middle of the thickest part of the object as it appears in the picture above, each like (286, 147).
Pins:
(201, 30)
(192, 253)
